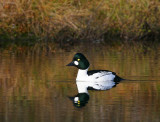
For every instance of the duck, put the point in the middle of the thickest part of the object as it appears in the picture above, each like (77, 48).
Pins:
(93, 79)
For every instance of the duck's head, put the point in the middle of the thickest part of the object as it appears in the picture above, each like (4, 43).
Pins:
(79, 61)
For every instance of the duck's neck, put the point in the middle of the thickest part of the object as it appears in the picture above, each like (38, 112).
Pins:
(82, 74)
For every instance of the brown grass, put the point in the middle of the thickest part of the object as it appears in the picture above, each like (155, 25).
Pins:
(66, 21)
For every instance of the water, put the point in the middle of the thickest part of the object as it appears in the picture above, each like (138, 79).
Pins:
(37, 87)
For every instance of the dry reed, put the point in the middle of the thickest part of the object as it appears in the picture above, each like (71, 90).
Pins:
(66, 21)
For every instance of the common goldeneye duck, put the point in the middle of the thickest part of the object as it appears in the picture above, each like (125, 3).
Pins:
(96, 79)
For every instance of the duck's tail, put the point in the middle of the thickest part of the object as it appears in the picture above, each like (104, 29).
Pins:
(117, 79)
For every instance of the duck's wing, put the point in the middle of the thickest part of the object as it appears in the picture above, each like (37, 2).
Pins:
(101, 75)
(106, 74)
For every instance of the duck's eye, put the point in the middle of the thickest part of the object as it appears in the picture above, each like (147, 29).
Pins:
(78, 59)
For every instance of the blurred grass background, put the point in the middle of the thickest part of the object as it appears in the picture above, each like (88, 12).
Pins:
(64, 22)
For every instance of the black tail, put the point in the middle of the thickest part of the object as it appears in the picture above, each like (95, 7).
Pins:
(117, 79)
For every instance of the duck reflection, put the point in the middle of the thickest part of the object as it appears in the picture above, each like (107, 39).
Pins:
(82, 98)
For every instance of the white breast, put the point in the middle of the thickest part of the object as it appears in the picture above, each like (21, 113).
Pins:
(82, 75)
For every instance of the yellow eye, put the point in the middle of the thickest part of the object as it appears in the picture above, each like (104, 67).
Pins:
(78, 59)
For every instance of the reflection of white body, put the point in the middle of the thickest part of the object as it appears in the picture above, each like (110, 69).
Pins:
(104, 85)
(82, 86)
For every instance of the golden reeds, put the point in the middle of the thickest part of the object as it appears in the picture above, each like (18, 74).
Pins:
(68, 20)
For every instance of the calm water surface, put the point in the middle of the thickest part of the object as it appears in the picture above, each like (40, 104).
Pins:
(37, 87)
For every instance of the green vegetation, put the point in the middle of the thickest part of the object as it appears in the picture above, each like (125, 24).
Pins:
(26, 22)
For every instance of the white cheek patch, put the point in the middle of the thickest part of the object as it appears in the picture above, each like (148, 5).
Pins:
(76, 62)
(76, 99)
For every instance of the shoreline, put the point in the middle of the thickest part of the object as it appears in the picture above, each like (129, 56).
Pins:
(51, 47)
